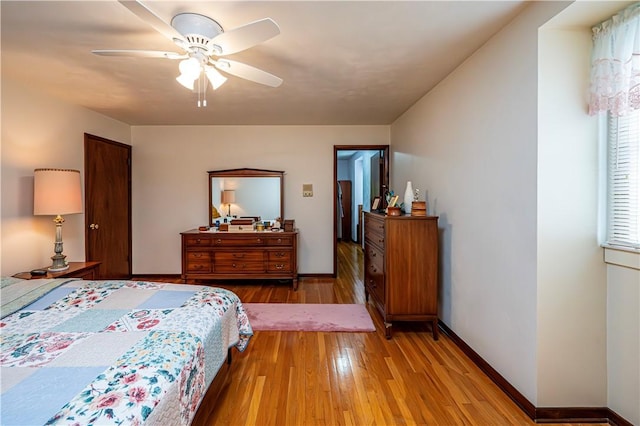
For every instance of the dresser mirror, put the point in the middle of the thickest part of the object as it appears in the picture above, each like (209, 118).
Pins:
(251, 193)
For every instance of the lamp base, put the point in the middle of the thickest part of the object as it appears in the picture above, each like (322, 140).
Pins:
(59, 264)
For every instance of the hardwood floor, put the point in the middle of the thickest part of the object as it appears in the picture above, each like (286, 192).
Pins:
(310, 378)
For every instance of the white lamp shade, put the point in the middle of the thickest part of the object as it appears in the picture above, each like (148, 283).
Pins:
(186, 81)
(228, 196)
(190, 68)
(56, 192)
(215, 78)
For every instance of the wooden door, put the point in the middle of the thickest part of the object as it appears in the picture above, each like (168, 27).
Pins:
(107, 173)
(345, 210)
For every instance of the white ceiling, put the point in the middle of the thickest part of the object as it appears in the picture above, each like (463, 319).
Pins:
(343, 62)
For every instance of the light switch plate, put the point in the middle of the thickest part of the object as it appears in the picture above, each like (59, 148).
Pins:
(307, 190)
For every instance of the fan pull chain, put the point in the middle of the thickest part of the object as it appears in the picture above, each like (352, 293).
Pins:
(199, 77)
(204, 91)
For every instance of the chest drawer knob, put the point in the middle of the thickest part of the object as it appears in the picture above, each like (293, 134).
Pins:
(218, 241)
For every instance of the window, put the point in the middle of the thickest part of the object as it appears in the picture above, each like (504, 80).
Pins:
(623, 180)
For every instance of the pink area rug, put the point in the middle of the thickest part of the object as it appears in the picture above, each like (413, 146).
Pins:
(309, 317)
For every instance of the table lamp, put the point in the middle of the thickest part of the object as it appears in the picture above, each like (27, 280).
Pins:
(57, 192)
(228, 197)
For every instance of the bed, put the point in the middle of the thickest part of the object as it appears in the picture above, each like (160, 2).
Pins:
(114, 351)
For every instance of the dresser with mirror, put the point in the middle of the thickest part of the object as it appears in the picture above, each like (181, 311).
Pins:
(242, 240)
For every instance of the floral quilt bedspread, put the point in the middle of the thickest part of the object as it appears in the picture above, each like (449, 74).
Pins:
(116, 352)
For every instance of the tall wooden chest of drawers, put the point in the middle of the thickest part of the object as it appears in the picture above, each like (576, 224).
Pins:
(240, 255)
(401, 268)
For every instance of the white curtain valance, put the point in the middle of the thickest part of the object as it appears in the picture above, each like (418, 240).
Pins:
(615, 64)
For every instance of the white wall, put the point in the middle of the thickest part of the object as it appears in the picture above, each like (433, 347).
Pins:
(170, 186)
(471, 145)
(623, 333)
(572, 370)
(40, 132)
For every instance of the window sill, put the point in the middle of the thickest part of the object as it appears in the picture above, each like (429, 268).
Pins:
(622, 256)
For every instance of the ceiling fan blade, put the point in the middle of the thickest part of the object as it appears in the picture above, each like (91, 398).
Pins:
(247, 72)
(246, 36)
(141, 54)
(147, 15)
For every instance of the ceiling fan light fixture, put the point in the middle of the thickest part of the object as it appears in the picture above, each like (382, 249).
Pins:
(190, 68)
(215, 78)
(186, 80)
(202, 41)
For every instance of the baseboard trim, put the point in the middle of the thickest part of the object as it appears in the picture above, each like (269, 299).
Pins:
(322, 276)
(537, 414)
(572, 415)
(501, 382)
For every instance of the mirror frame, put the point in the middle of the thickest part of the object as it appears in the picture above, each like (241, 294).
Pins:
(245, 173)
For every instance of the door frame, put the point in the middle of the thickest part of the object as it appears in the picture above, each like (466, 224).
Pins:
(384, 182)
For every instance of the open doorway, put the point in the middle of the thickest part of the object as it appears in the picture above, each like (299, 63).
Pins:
(360, 173)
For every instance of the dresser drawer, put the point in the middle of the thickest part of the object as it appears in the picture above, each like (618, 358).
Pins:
(374, 232)
(374, 271)
(231, 240)
(196, 241)
(239, 261)
(232, 256)
(374, 280)
(374, 261)
(279, 266)
(240, 266)
(198, 256)
(280, 256)
(279, 241)
(199, 267)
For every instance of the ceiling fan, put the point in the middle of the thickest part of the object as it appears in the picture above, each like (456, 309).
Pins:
(204, 42)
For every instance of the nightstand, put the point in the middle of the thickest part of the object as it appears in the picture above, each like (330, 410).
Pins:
(84, 270)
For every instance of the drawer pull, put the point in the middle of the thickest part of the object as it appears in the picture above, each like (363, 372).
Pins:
(197, 254)
(218, 241)
(279, 266)
(279, 254)
(380, 240)
(198, 241)
(259, 240)
(279, 240)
